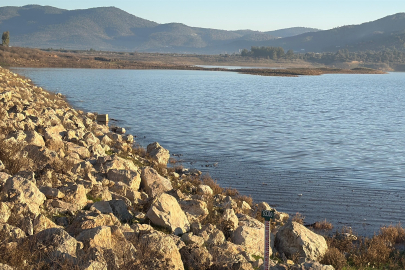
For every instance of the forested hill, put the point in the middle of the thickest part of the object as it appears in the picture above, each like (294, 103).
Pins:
(109, 28)
(387, 33)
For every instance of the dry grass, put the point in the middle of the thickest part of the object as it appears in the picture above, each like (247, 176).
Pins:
(207, 180)
(393, 234)
(231, 192)
(299, 218)
(347, 251)
(334, 257)
(248, 199)
(322, 225)
(12, 157)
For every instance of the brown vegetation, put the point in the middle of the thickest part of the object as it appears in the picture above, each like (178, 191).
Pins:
(24, 57)
(299, 218)
(347, 251)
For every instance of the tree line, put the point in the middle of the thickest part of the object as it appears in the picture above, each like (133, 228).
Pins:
(344, 55)
(267, 52)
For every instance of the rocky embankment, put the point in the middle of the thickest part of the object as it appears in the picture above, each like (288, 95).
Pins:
(76, 194)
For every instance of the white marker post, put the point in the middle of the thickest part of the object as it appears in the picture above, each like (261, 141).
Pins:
(267, 215)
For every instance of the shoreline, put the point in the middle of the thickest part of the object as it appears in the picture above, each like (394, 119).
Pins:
(225, 175)
(34, 58)
(93, 188)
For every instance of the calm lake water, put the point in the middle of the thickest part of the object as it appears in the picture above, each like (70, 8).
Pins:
(329, 146)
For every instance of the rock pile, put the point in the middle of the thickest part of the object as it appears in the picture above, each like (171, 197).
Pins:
(77, 195)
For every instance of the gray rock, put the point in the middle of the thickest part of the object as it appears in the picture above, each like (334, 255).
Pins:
(130, 178)
(158, 153)
(9, 233)
(204, 190)
(54, 244)
(103, 206)
(194, 209)
(250, 234)
(75, 194)
(51, 193)
(83, 152)
(96, 237)
(190, 239)
(118, 163)
(212, 236)
(153, 183)
(294, 238)
(166, 212)
(229, 219)
(4, 212)
(20, 190)
(160, 247)
(120, 210)
(34, 138)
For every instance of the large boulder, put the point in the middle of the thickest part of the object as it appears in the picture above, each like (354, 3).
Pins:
(153, 183)
(159, 251)
(41, 223)
(83, 152)
(166, 212)
(51, 193)
(205, 190)
(250, 234)
(158, 153)
(53, 136)
(120, 210)
(9, 233)
(75, 194)
(294, 238)
(195, 210)
(53, 245)
(115, 162)
(34, 138)
(89, 220)
(130, 178)
(196, 257)
(20, 190)
(96, 237)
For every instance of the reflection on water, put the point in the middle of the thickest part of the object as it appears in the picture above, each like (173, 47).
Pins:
(336, 139)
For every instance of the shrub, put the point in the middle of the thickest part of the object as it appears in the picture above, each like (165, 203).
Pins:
(12, 157)
(335, 258)
(393, 234)
(207, 180)
(322, 225)
(299, 218)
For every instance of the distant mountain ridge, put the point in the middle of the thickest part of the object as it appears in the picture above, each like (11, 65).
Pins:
(109, 28)
(382, 34)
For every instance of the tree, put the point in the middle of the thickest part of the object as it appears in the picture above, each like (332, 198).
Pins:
(289, 54)
(6, 38)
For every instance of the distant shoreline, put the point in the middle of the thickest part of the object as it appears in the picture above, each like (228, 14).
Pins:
(34, 58)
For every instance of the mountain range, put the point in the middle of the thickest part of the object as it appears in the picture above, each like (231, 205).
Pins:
(109, 28)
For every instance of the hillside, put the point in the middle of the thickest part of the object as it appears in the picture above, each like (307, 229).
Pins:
(109, 28)
(385, 33)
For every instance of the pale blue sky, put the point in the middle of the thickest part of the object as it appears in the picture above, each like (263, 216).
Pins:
(262, 15)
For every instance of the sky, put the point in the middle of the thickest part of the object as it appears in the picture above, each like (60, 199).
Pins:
(260, 15)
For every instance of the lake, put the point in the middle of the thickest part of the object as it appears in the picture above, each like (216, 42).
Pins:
(329, 146)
